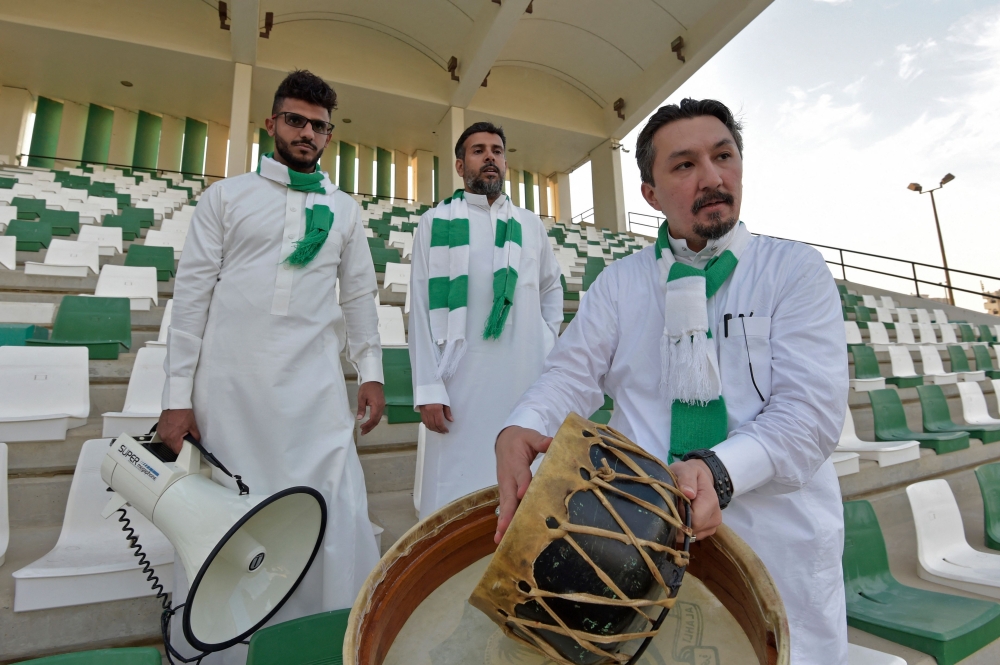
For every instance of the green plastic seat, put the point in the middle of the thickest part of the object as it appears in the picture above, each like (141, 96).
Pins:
(28, 209)
(127, 656)
(850, 300)
(984, 362)
(101, 189)
(398, 386)
(124, 200)
(376, 243)
(890, 425)
(960, 361)
(967, 334)
(567, 294)
(568, 316)
(861, 315)
(986, 335)
(937, 417)
(311, 640)
(31, 236)
(988, 476)
(842, 289)
(64, 222)
(103, 325)
(161, 258)
(130, 227)
(7, 183)
(382, 256)
(144, 215)
(947, 627)
(18, 334)
(595, 266)
(865, 362)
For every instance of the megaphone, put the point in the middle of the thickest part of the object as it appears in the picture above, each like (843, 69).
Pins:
(244, 554)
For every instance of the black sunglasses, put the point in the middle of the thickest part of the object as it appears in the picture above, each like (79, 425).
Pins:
(299, 121)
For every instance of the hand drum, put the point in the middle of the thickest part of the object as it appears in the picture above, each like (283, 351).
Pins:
(591, 559)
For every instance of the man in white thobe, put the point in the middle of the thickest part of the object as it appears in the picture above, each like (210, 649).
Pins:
(778, 343)
(254, 344)
(464, 384)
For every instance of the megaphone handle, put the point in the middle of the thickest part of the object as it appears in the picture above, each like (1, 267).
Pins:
(244, 489)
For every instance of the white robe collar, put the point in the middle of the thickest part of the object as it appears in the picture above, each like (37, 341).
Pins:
(687, 256)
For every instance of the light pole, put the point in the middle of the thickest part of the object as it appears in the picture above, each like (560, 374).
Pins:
(944, 259)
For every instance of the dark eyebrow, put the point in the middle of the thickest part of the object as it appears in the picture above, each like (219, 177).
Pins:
(688, 153)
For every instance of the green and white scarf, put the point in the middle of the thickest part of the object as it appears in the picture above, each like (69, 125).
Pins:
(689, 366)
(319, 205)
(448, 276)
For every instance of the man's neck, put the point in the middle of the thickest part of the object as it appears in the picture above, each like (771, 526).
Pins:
(694, 241)
(490, 198)
(278, 158)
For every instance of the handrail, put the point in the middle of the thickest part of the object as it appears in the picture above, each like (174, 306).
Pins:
(123, 166)
(912, 277)
(586, 214)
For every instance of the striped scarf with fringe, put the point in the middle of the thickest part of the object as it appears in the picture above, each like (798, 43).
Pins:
(318, 210)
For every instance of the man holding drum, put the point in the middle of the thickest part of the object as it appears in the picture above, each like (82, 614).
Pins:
(724, 353)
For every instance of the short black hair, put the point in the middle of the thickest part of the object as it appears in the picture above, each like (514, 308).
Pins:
(303, 84)
(475, 129)
(645, 153)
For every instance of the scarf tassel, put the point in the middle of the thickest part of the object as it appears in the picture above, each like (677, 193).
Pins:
(307, 248)
(689, 370)
(498, 317)
(452, 355)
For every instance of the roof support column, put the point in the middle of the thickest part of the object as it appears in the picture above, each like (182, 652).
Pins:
(15, 106)
(515, 186)
(215, 149)
(239, 117)
(401, 186)
(328, 162)
(72, 132)
(609, 194)
(123, 128)
(366, 168)
(562, 199)
(424, 166)
(448, 131)
(171, 143)
(543, 196)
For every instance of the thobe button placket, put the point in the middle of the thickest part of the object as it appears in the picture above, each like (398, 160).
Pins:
(285, 277)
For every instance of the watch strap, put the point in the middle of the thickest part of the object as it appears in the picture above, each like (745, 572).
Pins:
(720, 475)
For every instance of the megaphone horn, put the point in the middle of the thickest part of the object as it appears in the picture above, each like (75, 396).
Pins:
(243, 553)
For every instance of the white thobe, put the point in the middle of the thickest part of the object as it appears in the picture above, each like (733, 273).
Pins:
(787, 503)
(254, 347)
(494, 373)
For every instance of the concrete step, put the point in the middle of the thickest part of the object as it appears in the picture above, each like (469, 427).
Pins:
(389, 471)
(16, 280)
(34, 458)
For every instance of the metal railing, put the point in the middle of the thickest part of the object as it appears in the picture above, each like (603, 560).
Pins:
(909, 273)
(118, 166)
(585, 216)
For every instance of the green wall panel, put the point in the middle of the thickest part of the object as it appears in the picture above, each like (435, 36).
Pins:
(193, 157)
(348, 153)
(529, 190)
(383, 157)
(45, 136)
(265, 142)
(437, 179)
(147, 140)
(97, 140)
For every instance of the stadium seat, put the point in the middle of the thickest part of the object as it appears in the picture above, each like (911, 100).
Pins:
(870, 301)
(886, 454)
(960, 364)
(67, 258)
(974, 409)
(939, 316)
(131, 228)
(878, 336)
(161, 258)
(945, 626)
(904, 335)
(43, 392)
(927, 334)
(37, 313)
(124, 656)
(108, 239)
(376, 243)
(31, 236)
(178, 226)
(903, 373)
(103, 325)
(937, 417)
(391, 330)
(161, 338)
(8, 252)
(923, 316)
(398, 386)
(844, 463)
(904, 315)
(842, 289)
(312, 640)
(890, 425)
(92, 561)
(861, 315)
(7, 213)
(144, 216)
(987, 335)
(380, 257)
(4, 510)
(136, 284)
(866, 373)
(859, 655)
(18, 334)
(401, 240)
(984, 362)
(968, 335)
(850, 327)
(948, 335)
(63, 222)
(397, 277)
(933, 368)
(943, 554)
(28, 209)
(884, 316)
(988, 476)
(174, 240)
(142, 400)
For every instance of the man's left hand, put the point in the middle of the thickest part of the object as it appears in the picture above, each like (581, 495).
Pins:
(370, 395)
(696, 481)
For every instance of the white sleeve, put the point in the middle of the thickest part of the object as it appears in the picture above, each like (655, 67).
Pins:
(427, 387)
(574, 371)
(197, 275)
(550, 293)
(358, 286)
(782, 448)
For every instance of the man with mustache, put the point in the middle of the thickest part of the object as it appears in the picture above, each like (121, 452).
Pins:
(486, 304)
(253, 349)
(724, 353)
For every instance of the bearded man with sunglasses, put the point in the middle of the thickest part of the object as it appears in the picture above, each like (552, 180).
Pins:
(253, 349)
(485, 308)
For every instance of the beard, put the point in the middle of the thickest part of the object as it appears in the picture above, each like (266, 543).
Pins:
(478, 185)
(716, 226)
(303, 165)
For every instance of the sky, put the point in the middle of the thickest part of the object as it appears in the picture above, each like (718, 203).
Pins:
(846, 102)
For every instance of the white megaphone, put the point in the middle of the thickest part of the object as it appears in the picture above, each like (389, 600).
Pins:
(244, 554)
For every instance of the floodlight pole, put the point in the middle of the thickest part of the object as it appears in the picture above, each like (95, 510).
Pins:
(944, 258)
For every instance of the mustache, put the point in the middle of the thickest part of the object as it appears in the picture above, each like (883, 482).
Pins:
(717, 196)
(305, 142)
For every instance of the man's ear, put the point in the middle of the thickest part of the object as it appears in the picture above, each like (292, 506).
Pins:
(649, 194)
(269, 126)
(329, 137)
(460, 167)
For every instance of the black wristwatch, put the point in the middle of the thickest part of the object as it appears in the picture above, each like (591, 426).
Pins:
(720, 476)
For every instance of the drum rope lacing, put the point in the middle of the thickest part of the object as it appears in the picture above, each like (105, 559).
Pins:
(600, 481)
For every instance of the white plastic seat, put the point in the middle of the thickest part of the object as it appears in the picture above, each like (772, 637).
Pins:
(142, 401)
(878, 336)
(933, 368)
(943, 554)
(108, 238)
(858, 655)
(45, 390)
(179, 226)
(90, 213)
(391, 330)
(845, 463)
(36, 313)
(888, 302)
(904, 335)
(927, 334)
(4, 512)
(974, 405)
(948, 337)
(397, 277)
(7, 213)
(870, 301)
(853, 332)
(923, 316)
(161, 338)
(939, 316)
(137, 283)
(403, 240)
(92, 561)
(67, 258)
(8, 252)
(904, 315)
(108, 205)
(901, 361)
(884, 315)
(173, 240)
(885, 453)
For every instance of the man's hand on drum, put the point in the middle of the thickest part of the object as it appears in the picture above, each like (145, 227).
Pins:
(434, 417)
(516, 449)
(695, 480)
